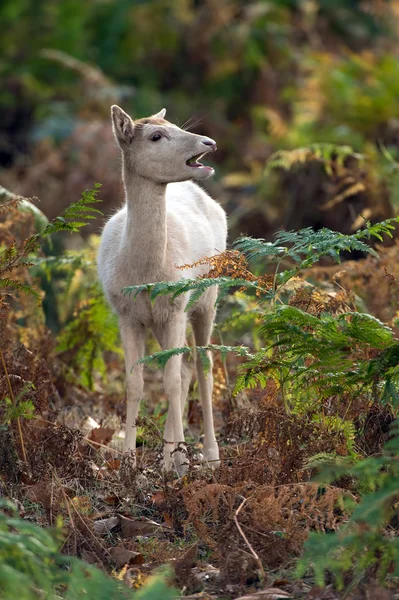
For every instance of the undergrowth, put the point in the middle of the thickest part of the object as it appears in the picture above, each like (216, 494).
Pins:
(366, 545)
(31, 567)
(326, 363)
(304, 377)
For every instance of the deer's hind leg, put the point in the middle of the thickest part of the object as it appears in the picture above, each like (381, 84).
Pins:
(187, 371)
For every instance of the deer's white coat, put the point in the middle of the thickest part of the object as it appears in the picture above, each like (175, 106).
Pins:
(167, 221)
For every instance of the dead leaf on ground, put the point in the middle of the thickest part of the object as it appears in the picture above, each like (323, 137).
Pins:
(104, 526)
(102, 435)
(168, 520)
(112, 500)
(158, 497)
(278, 582)
(138, 526)
(88, 425)
(113, 464)
(123, 557)
(190, 554)
(39, 423)
(267, 594)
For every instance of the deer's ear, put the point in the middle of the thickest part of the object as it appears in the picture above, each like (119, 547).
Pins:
(160, 115)
(122, 125)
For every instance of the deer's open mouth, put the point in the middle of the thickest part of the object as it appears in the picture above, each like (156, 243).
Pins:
(194, 160)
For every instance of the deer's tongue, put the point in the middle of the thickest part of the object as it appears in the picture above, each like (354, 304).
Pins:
(193, 161)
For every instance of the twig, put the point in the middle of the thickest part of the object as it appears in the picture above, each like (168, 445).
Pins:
(244, 537)
(21, 438)
(93, 443)
(66, 502)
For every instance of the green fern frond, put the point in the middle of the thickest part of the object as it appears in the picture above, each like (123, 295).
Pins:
(378, 229)
(12, 258)
(321, 459)
(198, 286)
(81, 209)
(306, 247)
(13, 284)
(362, 327)
(161, 358)
(92, 333)
(250, 379)
(258, 248)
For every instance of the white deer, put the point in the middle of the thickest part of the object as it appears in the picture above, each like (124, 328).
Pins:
(167, 221)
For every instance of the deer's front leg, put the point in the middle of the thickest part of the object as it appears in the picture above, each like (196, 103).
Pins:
(172, 335)
(133, 344)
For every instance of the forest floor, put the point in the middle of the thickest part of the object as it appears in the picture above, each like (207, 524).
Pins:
(228, 533)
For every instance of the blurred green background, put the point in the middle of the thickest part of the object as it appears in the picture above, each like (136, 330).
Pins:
(257, 76)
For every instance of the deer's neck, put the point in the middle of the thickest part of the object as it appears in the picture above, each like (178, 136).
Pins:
(145, 231)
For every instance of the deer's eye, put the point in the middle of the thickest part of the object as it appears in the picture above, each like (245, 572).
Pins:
(155, 137)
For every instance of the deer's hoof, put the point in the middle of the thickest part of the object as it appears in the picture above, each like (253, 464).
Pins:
(174, 459)
(181, 469)
(211, 456)
(168, 462)
(181, 463)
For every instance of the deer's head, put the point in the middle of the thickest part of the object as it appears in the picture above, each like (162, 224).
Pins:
(160, 151)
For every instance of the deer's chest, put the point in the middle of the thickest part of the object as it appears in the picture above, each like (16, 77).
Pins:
(139, 308)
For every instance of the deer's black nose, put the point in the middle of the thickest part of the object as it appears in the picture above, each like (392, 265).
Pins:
(211, 143)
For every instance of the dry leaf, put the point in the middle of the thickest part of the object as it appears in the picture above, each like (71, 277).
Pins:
(102, 435)
(113, 464)
(168, 520)
(278, 582)
(124, 557)
(111, 499)
(267, 594)
(139, 526)
(88, 425)
(104, 526)
(199, 596)
(158, 497)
